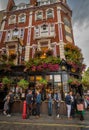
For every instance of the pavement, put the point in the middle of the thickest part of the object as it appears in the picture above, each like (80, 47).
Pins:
(45, 122)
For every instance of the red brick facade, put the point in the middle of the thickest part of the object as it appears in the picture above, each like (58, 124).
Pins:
(39, 25)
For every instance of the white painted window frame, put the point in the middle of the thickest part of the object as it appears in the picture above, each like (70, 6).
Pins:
(37, 16)
(47, 15)
(10, 21)
(19, 18)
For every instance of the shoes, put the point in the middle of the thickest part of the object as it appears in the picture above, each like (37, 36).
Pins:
(50, 114)
(69, 118)
(8, 115)
(37, 117)
(58, 116)
(4, 113)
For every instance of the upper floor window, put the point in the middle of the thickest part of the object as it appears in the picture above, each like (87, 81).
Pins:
(8, 35)
(0, 35)
(43, 2)
(22, 18)
(21, 6)
(12, 19)
(67, 22)
(15, 34)
(53, 1)
(50, 13)
(39, 15)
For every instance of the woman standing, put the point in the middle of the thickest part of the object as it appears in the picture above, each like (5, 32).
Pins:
(68, 103)
(80, 107)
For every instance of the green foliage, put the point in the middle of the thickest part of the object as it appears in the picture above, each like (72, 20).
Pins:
(85, 78)
(12, 57)
(7, 61)
(73, 53)
(74, 57)
(38, 61)
(74, 81)
(23, 83)
(43, 81)
(6, 81)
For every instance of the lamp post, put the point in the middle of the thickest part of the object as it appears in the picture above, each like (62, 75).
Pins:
(18, 45)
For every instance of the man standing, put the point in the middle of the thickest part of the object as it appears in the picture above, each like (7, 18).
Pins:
(38, 103)
(57, 99)
(29, 101)
(11, 101)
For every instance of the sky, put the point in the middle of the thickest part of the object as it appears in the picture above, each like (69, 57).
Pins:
(80, 18)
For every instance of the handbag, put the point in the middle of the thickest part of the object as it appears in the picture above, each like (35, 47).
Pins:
(80, 107)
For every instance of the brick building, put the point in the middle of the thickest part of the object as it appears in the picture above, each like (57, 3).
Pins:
(38, 25)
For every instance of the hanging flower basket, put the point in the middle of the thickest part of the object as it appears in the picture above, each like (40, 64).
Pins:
(49, 52)
(6, 81)
(74, 81)
(23, 84)
(47, 64)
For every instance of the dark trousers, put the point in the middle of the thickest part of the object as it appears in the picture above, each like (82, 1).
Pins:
(38, 109)
(57, 108)
(29, 110)
(10, 108)
(81, 116)
(72, 110)
(50, 108)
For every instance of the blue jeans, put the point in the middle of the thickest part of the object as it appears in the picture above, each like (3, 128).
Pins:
(49, 108)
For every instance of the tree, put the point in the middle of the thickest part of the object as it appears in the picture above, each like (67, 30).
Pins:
(85, 79)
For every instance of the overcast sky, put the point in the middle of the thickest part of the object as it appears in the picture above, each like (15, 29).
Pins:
(80, 19)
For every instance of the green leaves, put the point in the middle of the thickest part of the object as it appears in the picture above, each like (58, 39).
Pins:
(6, 81)
(36, 61)
(74, 57)
(23, 83)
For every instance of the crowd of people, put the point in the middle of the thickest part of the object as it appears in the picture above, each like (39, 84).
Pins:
(74, 103)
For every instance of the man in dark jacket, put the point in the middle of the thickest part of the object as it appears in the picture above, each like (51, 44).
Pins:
(29, 101)
(11, 101)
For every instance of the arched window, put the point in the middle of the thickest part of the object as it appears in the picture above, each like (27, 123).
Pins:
(50, 13)
(39, 15)
(22, 18)
(12, 19)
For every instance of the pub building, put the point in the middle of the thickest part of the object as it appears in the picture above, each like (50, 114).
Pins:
(38, 29)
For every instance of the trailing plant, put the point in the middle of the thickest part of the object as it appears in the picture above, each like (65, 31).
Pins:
(49, 63)
(74, 81)
(23, 84)
(38, 53)
(6, 81)
(49, 52)
(74, 57)
(43, 81)
(12, 57)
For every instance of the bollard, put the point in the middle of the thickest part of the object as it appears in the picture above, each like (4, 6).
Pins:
(24, 114)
